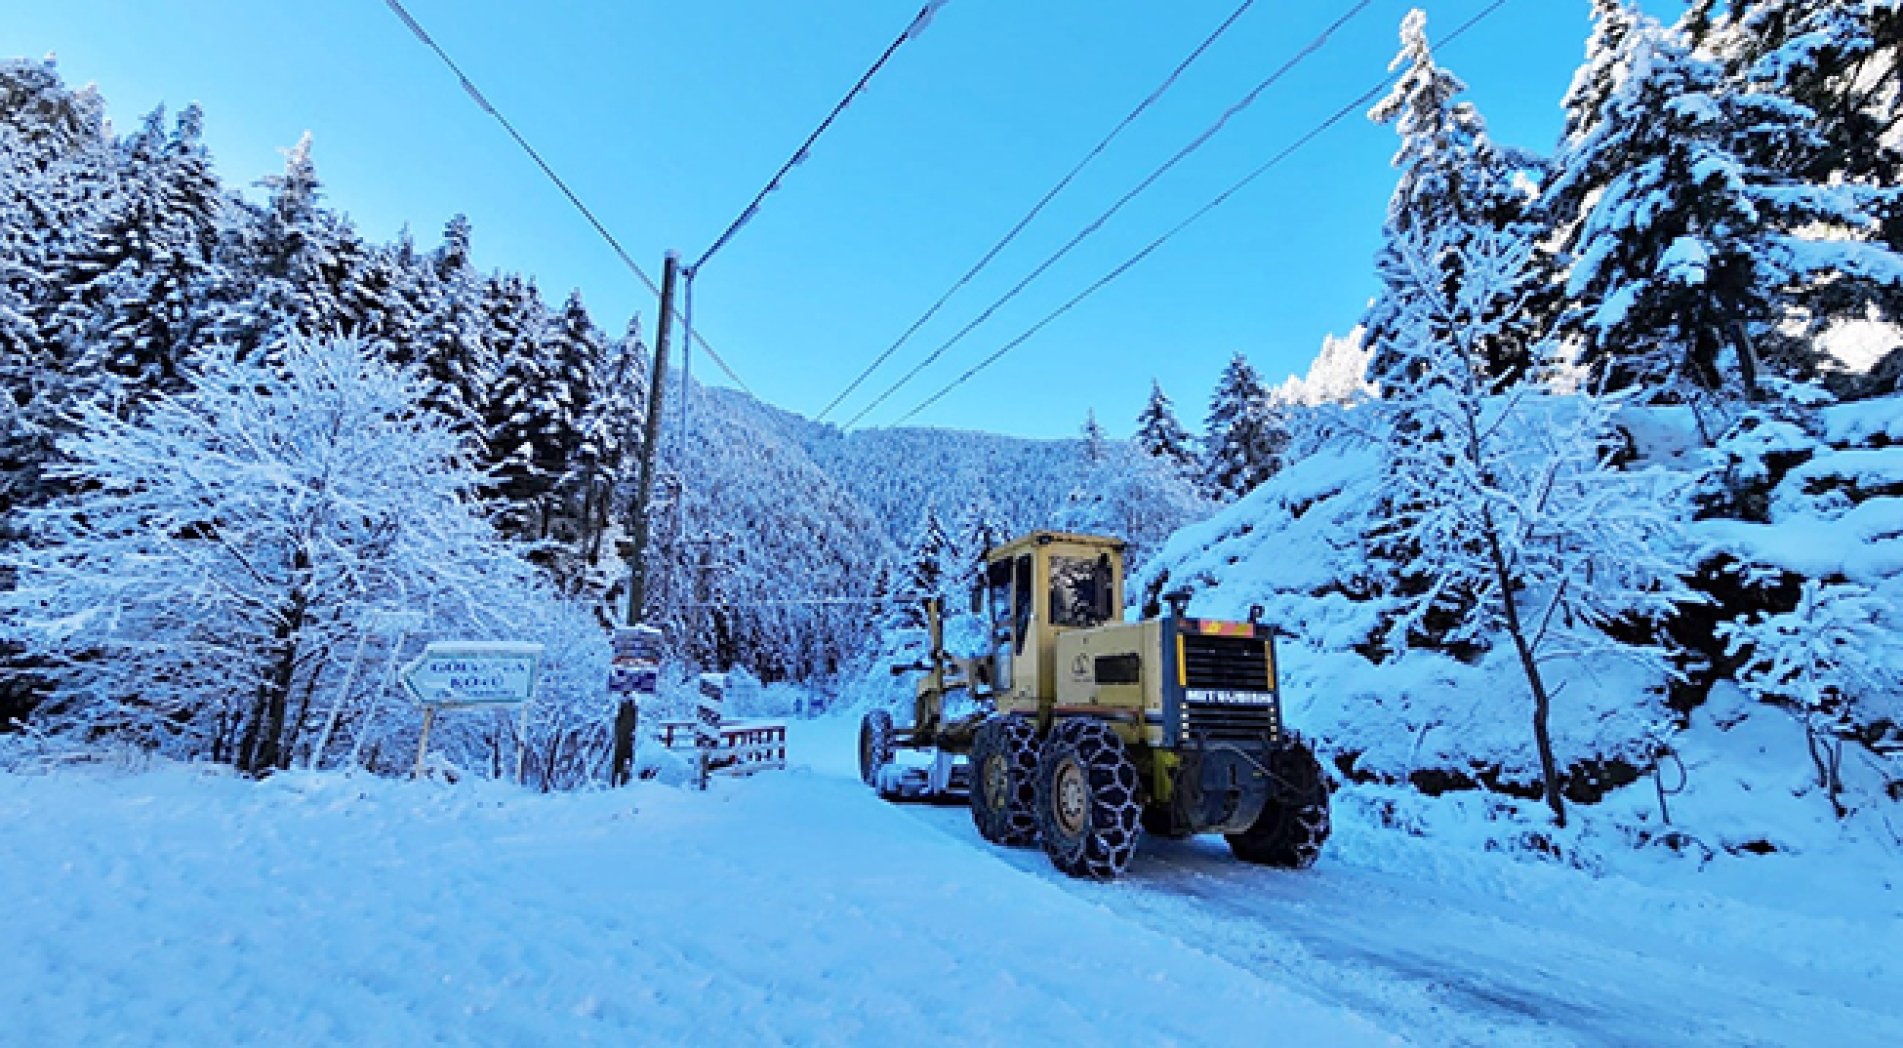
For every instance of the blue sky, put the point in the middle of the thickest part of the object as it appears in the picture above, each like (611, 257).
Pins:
(667, 118)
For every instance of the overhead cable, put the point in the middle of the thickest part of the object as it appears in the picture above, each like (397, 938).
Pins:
(1130, 118)
(1337, 117)
(912, 30)
(483, 103)
(1097, 223)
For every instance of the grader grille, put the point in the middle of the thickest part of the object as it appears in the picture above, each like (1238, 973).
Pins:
(1228, 689)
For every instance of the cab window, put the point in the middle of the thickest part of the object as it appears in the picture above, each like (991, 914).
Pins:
(1077, 591)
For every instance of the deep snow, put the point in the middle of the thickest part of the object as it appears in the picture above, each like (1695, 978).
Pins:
(181, 905)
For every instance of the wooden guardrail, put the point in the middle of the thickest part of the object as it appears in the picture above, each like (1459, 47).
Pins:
(744, 748)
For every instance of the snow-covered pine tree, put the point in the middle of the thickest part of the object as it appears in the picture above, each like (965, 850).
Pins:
(1246, 434)
(1161, 435)
(926, 573)
(1842, 61)
(612, 398)
(1700, 232)
(129, 301)
(288, 266)
(529, 427)
(1506, 504)
(453, 351)
(1093, 437)
(983, 530)
(1455, 186)
(387, 296)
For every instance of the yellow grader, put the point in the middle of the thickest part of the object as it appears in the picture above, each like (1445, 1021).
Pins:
(1083, 731)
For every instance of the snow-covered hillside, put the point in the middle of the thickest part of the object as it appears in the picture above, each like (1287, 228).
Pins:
(1459, 727)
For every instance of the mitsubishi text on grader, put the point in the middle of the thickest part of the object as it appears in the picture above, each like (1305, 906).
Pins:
(1084, 731)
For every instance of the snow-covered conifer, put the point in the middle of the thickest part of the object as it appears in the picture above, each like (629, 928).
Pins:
(1246, 434)
(1161, 435)
(1455, 186)
(1702, 232)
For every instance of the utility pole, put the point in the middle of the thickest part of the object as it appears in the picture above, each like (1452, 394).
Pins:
(628, 712)
(650, 448)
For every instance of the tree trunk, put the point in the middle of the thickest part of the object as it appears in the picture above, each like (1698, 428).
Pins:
(262, 736)
(1542, 702)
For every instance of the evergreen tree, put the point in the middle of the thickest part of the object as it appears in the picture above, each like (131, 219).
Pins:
(1162, 436)
(288, 267)
(529, 428)
(1842, 61)
(926, 574)
(982, 532)
(454, 353)
(1094, 437)
(1692, 247)
(1246, 433)
(1455, 186)
(130, 299)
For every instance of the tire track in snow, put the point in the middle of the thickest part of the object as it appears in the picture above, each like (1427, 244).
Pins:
(1430, 964)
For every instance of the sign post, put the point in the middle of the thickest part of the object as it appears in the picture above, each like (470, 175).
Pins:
(634, 676)
(458, 674)
(713, 688)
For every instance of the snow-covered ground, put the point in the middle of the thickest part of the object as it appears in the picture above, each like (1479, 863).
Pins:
(180, 905)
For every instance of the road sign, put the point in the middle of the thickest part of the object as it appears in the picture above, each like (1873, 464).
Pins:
(636, 668)
(474, 673)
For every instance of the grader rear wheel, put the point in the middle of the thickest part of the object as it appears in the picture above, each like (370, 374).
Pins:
(1294, 824)
(1004, 780)
(1087, 807)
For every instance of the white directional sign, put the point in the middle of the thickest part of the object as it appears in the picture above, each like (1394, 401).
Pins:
(474, 673)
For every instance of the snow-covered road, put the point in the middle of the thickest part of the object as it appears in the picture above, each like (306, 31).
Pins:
(182, 905)
(1449, 947)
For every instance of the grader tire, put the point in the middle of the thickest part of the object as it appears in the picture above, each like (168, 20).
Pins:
(1294, 824)
(1004, 780)
(875, 746)
(1087, 805)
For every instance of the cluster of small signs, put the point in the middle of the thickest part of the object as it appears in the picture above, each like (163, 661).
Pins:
(636, 669)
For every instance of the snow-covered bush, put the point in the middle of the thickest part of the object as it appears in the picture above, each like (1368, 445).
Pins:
(230, 543)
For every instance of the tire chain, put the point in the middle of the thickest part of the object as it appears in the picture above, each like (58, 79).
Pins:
(1014, 738)
(1114, 816)
(1289, 835)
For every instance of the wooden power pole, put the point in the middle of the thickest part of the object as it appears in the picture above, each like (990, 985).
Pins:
(628, 713)
(650, 446)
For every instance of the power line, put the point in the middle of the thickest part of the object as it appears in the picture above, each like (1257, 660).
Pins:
(1168, 82)
(1097, 223)
(1337, 117)
(912, 30)
(483, 103)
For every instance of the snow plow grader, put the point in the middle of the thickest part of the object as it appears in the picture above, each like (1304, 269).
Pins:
(1084, 732)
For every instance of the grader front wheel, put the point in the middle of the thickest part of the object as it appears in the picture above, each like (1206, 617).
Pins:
(875, 747)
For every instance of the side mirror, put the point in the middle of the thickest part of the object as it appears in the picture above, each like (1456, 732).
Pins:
(1100, 583)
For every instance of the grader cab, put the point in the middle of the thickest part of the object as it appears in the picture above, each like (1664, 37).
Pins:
(1082, 731)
